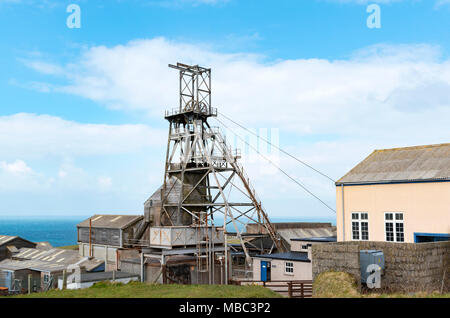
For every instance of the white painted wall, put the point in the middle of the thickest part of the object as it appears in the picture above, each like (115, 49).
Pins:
(89, 284)
(302, 270)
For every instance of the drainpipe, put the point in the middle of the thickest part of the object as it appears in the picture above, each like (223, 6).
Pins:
(343, 213)
(90, 237)
(142, 266)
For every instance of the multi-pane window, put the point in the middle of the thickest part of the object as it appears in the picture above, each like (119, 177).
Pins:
(360, 226)
(394, 228)
(289, 267)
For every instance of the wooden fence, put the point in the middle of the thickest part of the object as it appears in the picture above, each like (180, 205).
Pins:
(288, 288)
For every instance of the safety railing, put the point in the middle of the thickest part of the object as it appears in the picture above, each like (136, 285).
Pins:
(195, 108)
(288, 288)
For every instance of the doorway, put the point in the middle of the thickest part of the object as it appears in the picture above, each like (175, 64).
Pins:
(265, 271)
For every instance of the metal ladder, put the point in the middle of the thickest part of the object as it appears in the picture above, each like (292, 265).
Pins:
(202, 245)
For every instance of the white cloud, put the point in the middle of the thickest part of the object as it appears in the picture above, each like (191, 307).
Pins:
(62, 173)
(331, 113)
(437, 3)
(43, 67)
(440, 3)
(362, 95)
(366, 1)
(104, 182)
(38, 136)
(183, 3)
(76, 162)
(74, 165)
(16, 167)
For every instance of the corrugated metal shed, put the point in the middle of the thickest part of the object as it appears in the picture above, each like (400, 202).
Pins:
(111, 221)
(420, 163)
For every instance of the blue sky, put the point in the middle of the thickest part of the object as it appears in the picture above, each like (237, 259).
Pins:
(81, 120)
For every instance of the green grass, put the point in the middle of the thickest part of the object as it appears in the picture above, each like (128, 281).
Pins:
(434, 294)
(69, 247)
(343, 285)
(143, 290)
(335, 285)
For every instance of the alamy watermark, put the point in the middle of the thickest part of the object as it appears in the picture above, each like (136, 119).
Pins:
(256, 147)
(74, 19)
(374, 19)
(374, 279)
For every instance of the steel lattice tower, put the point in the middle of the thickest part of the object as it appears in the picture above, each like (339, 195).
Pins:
(202, 173)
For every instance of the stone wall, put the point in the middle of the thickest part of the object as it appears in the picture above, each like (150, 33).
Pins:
(408, 266)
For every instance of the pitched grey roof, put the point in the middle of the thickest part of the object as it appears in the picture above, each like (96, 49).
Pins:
(37, 265)
(7, 238)
(420, 163)
(316, 239)
(289, 256)
(111, 221)
(51, 260)
(289, 234)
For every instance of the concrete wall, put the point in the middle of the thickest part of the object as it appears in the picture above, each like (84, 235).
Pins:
(425, 207)
(408, 266)
(302, 270)
(103, 252)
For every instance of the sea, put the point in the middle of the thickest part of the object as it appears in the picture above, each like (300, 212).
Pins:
(62, 230)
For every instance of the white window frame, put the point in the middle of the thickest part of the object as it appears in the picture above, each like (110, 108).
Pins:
(394, 222)
(290, 266)
(359, 221)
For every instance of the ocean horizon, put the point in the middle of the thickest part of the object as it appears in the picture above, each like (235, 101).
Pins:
(61, 230)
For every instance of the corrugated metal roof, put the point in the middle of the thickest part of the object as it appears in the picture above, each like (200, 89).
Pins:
(420, 163)
(316, 239)
(290, 256)
(295, 233)
(6, 238)
(111, 221)
(54, 259)
(37, 265)
(43, 245)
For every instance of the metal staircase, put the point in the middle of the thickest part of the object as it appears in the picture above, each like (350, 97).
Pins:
(262, 215)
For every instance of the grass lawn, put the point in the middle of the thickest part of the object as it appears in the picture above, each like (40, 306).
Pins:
(69, 247)
(143, 290)
(343, 285)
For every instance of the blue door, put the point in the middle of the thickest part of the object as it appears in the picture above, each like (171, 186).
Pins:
(264, 271)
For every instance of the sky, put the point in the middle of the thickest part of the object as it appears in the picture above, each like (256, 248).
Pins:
(82, 129)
